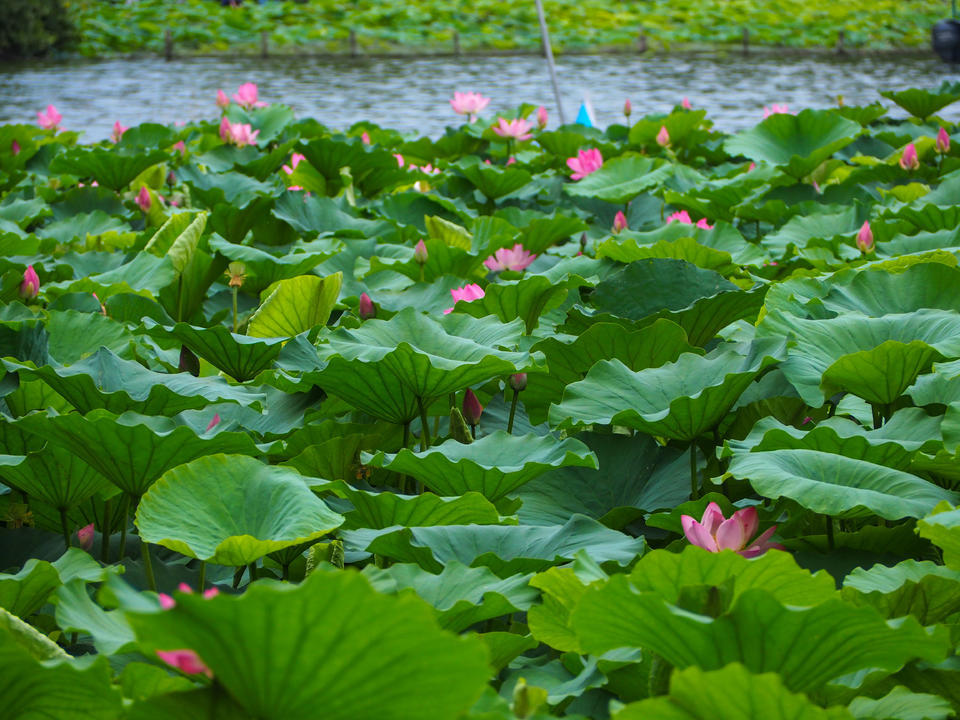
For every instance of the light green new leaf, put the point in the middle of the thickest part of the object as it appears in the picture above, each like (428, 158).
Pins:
(26, 592)
(296, 305)
(942, 528)
(929, 592)
(178, 238)
(902, 704)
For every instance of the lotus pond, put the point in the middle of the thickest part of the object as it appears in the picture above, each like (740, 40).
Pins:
(299, 422)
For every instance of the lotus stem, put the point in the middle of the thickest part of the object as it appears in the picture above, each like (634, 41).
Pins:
(253, 572)
(424, 426)
(64, 527)
(123, 530)
(203, 575)
(693, 471)
(877, 416)
(404, 480)
(829, 531)
(235, 308)
(285, 576)
(509, 149)
(107, 526)
(421, 272)
(453, 400)
(148, 565)
(513, 411)
(237, 575)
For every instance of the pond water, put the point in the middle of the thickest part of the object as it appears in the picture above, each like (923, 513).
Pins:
(411, 94)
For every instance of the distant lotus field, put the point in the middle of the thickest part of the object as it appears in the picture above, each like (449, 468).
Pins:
(649, 422)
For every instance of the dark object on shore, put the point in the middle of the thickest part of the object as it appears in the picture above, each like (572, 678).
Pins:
(32, 28)
(946, 40)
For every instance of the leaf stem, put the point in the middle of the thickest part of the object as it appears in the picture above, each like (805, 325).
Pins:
(105, 532)
(693, 471)
(123, 530)
(424, 426)
(235, 308)
(237, 575)
(877, 416)
(829, 531)
(513, 411)
(253, 572)
(203, 575)
(64, 527)
(148, 565)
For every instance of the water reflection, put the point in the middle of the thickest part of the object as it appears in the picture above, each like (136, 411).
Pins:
(411, 94)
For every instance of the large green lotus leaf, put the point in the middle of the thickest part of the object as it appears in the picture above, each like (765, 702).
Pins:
(261, 269)
(929, 592)
(902, 704)
(73, 335)
(799, 230)
(178, 237)
(82, 226)
(730, 693)
(232, 510)
(717, 199)
(680, 400)
(379, 510)
(106, 381)
(372, 169)
(940, 387)
(684, 248)
(377, 655)
(807, 647)
(546, 231)
(333, 459)
(54, 475)
(836, 485)
(921, 103)
(145, 275)
(621, 179)
(132, 450)
(240, 356)
(682, 126)
(667, 574)
(232, 189)
(526, 299)
(925, 285)
(462, 596)
(561, 589)
(234, 224)
(494, 465)
(26, 592)
(442, 259)
(313, 215)
(54, 689)
(494, 182)
(942, 528)
(927, 217)
(636, 476)
(871, 357)
(568, 362)
(383, 366)
(107, 166)
(77, 612)
(506, 549)
(799, 142)
(296, 305)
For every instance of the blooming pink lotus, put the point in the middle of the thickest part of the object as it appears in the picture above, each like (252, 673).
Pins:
(715, 533)
(515, 258)
(186, 661)
(686, 103)
(586, 162)
(294, 161)
(909, 160)
(181, 147)
(143, 199)
(85, 536)
(663, 137)
(468, 103)
(683, 217)
(30, 286)
(943, 141)
(246, 96)
(222, 100)
(865, 238)
(542, 117)
(518, 129)
(775, 110)
(118, 131)
(49, 119)
(619, 222)
(239, 134)
(14, 148)
(467, 293)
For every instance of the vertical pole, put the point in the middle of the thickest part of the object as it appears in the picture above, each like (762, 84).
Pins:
(168, 44)
(545, 38)
(353, 43)
(456, 43)
(263, 44)
(641, 41)
(840, 39)
(746, 41)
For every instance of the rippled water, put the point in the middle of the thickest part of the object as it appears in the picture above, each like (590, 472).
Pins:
(411, 94)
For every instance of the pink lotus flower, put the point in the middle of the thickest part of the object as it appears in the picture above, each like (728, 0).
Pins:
(186, 661)
(213, 423)
(686, 103)
(469, 103)
(775, 110)
(472, 409)
(586, 162)
(143, 199)
(420, 252)
(517, 129)
(246, 96)
(511, 160)
(627, 108)
(365, 137)
(49, 119)
(663, 137)
(239, 134)
(167, 602)
(542, 117)
(619, 222)
(85, 536)
(909, 159)
(467, 293)
(703, 224)
(222, 100)
(681, 216)
(399, 158)
(366, 307)
(118, 131)
(14, 148)
(428, 169)
(943, 141)
(715, 533)
(514, 259)
(181, 147)
(294, 161)
(30, 286)
(865, 238)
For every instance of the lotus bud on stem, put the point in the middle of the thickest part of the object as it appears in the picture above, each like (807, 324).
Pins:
(472, 410)
(420, 256)
(236, 272)
(366, 308)
(518, 382)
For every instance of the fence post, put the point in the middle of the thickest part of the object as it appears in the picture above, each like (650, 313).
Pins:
(641, 41)
(353, 44)
(168, 44)
(746, 41)
(456, 43)
(841, 50)
(264, 37)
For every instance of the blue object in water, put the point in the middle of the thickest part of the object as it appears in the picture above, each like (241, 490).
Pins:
(585, 115)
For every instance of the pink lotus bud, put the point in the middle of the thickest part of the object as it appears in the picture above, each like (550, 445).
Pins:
(365, 138)
(753, 166)
(627, 108)
(472, 409)
(865, 238)
(186, 661)
(619, 222)
(943, 141)
(181, 147)
(30, 286)
(103, 308)
(511, 160)
(686, 103)
(222, 100)
(14, 148)
(420, 253)
(213, 423)
(366, 309)
(663, 137)
(518, 381)
(399, 158)
(49, 119)
(143, 199)
(909, 159)
(85, 536)
(541, 117)
(118, 131)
